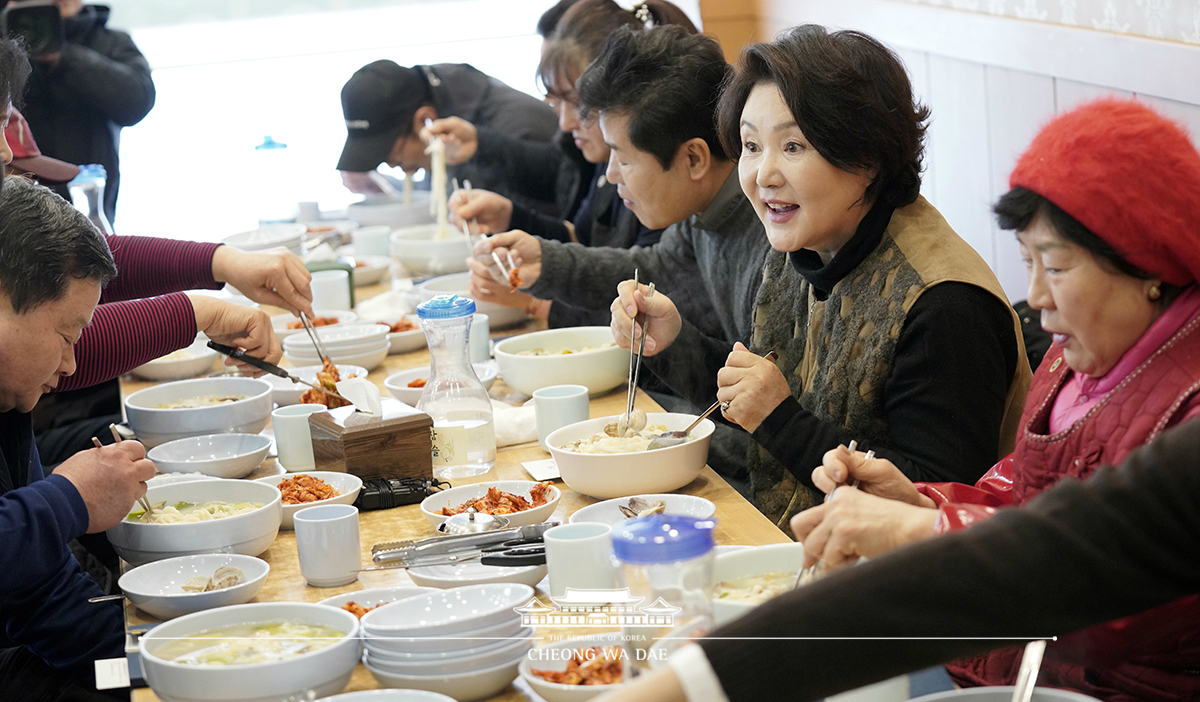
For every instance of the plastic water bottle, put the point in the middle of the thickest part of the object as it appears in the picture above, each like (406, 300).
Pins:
(463, 436)
(87, 194)
(274, 171)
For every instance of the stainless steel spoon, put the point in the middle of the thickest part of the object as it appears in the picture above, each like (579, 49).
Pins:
(674, 438)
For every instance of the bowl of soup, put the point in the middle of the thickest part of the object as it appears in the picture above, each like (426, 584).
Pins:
(595, 464)
(252, 652)
(746, 578)
(201, 516)
(186, 408)
(585, 356)
(426, 250)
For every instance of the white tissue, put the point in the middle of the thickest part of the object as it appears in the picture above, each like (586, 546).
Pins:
(363, 393)
(513, 425)
(324, 252)
(388, 305)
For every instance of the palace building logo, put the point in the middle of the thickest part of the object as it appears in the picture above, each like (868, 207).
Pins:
(600, 608)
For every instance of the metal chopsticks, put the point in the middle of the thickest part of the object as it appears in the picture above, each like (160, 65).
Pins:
(149, 509)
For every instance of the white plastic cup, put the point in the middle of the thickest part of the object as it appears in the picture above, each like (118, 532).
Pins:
(331, 290)
(557, 406)
(481, 337)
(293, 439)
(327, 544)
(375, 240)
(579, 556)
(308, 211)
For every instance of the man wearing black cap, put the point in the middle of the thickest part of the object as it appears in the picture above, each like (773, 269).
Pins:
(386, 105)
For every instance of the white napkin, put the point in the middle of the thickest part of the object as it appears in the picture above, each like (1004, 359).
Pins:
(513, 425)
(324, 252)
(388, 305)
(363, 393)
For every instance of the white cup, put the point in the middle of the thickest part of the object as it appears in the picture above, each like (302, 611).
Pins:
(331, 290)
(579, 556)
(557, 406)
(308, 211)
(481, 337)
(375, 240)
(293, 440)
(327, 544)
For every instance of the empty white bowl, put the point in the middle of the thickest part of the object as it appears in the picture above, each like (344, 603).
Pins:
(388, 696)
(448, 612)
(367, 359)
(599, 368)
(187, 362)
(397, 383)
(280, 322)
(478, 645)
(157, 588)
(373, 597)
(268, 236)
(371, 270)
(381, 209)
(352, 336)
(608, 475)
(424, 253)
(608, 512)
(404, 341)
(284, 392)
(249, 534)
(155, 425)
(464, 687)
(473, 640)
(218, 455)
(431, 506)
(499, 316)
(448, 664)
(347, 484)
(554, 656)
(309, 675)
(475, 573)
(756, 560)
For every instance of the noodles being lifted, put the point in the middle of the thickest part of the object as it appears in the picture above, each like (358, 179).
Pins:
(437, 187)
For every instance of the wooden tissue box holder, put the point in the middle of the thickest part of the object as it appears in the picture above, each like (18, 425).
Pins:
(395, 444)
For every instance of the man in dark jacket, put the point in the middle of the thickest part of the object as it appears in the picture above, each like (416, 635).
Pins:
(80, 97)
(386, 106)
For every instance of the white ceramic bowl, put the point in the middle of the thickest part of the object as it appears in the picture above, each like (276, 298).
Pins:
(367, 359)
(376, 596)
(477, 645)
(250, 533)
(155, 426)
(541, 658)
(431, 506)
(268, 236)
(343, 336)
(397, 383)
(280, 322)
(405, 341)
(499, 316)
(626, 474)
(347, 485)
(373, 270)
(157, 588)
(475, 573)
(383, 210)
(465, 687)
(756, 560)
(608, 512)
(473, 640)
(284, 392)
(1004, 694)
(388, 696)
(191, 361)
(599, 369)
(423, 254)
(451, 663)
(218, 455)
(313, 674)
(448, 612)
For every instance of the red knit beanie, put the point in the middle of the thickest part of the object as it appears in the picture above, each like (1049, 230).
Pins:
(1129, 175)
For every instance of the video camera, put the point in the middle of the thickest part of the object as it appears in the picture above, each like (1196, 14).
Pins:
(37, 24)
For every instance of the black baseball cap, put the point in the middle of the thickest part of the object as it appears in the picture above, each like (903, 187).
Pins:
(378, 102)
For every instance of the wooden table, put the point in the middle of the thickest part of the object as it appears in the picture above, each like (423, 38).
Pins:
(738, 522)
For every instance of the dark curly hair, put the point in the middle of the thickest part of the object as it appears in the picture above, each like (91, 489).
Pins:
(850, 96)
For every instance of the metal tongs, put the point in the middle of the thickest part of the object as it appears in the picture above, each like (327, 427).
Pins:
(316, 340)
(516, 542)
(270, 368)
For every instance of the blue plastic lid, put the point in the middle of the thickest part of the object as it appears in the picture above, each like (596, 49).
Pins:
(662, 538)
(446, 307)
(270, 144)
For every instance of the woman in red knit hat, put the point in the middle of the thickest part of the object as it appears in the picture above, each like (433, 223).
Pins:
(1106, 206)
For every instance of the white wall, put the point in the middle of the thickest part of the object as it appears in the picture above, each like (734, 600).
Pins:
(991, 83)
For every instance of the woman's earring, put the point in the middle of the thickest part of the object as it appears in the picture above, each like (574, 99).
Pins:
(1154, 293)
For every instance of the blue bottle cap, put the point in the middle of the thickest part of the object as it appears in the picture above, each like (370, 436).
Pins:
(446, 307)
(662, 538)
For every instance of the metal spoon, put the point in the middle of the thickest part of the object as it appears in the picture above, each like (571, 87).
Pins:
(674, 438)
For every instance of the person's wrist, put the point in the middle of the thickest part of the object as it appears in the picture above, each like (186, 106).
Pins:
(538, 308)
(220, 263)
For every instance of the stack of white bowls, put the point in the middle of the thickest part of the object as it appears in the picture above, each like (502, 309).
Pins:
(363, 345)
(465, 642)
(270, 236)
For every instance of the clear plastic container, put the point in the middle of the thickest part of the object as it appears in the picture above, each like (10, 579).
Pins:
(463, 436)
(87, 194)
(667, 562)
(273, 168)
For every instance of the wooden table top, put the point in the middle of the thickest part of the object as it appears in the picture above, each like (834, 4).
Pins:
(738, 522)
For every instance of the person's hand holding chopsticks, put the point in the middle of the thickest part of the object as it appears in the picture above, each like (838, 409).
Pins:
(109, 479)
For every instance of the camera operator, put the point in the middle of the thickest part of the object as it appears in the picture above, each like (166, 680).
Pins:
(84, 89)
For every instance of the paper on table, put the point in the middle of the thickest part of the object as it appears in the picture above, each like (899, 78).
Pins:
(545, 469)
(363, 393)
(322, 253)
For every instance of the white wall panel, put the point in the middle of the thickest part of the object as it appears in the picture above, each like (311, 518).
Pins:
(1069, 93)
(917, 63)
(1182, 112)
